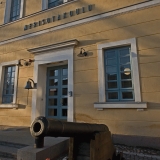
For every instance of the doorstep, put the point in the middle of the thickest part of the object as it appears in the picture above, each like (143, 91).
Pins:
(53, 148)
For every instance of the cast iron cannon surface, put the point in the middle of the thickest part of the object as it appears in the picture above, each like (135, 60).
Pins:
(43, 127)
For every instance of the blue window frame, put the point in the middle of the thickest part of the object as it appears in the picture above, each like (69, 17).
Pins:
(15, 10)
(8, 86)
(118, 74)
(54, 3)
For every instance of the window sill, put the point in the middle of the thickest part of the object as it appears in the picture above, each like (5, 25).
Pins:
(8, 106)
(119, 105)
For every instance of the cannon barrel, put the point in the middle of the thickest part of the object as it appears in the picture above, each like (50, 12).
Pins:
(42, 127)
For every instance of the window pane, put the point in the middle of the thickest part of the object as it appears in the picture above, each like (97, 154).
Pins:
(13, 19)
(17, 12)
(113, 95)
(9, 69)
(6, 91)
(111, 69)
(127, 95)
(64, 91)
(12, 80)
(110, 54)
(125, 60)
(12, 86)
(7, 99)
(112, 76)
(8, 75)
(53, 82)
(14, 13)
(112, 85)
(65, 81)
(13, 74)
(111, 62)
(52, 112)
(64, 112)
(53, 3)
(53, 102)
(126, 84)
(123, 67)
(124, 52)
(12, 91)
(53, 92)
(13, 68)
(64, 101)
(65, 72)
(53, 72)
(125, 76)
(6, 86)
(4, 100)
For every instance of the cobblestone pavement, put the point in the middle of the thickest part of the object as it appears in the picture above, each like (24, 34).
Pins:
(133, 153)
(138, 153)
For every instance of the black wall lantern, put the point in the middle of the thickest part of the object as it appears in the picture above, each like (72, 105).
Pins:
(26, 63)
(82, 53)
(29, 84)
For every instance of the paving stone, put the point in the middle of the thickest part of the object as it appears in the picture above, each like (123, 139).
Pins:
(138, 153)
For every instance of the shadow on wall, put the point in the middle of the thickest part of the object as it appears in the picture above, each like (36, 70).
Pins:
(21, 106)
(133, 31)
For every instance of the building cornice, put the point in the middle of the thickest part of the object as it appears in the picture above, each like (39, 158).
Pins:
(39, 50)
(88, 19)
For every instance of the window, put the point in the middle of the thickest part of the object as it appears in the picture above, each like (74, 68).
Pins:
(118, 75)
(53, 3)
(8, 84)
(13, 10)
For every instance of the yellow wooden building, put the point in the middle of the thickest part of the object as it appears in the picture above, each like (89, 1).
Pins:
(87, 61)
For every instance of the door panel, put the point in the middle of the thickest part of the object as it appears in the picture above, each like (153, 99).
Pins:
(57, 92)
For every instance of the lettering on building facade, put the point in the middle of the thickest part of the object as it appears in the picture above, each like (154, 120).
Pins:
(59, 17)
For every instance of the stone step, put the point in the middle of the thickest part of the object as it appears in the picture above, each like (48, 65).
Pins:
(14, 145)
(6, 158)
(8, 150)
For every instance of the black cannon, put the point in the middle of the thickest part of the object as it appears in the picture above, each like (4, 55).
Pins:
(89, 140)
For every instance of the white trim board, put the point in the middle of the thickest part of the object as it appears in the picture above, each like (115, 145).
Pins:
(86, 20)
(120, 105)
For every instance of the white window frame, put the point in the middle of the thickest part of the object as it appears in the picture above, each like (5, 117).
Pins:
(8, 10)
(101, 77)
(2, 68)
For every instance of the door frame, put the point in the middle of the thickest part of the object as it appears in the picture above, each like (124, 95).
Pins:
(42, 59)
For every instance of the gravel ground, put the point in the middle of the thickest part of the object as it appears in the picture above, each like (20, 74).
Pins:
(132, 153)
(138, 153)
